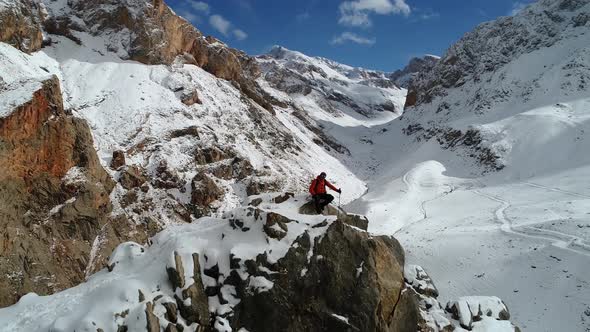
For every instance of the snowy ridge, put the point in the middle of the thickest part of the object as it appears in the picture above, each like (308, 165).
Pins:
(17, 85)
(329, 91)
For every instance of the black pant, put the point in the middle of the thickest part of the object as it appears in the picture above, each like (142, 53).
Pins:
(321, 200)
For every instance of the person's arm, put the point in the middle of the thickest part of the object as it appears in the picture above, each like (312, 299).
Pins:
(331, 186)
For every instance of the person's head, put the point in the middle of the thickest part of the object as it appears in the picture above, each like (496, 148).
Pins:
(322, 175)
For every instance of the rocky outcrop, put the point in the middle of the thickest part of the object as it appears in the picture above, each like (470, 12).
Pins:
(21, 25)
(416, 66)
(352, 283)
(204, 192)
(54, 228)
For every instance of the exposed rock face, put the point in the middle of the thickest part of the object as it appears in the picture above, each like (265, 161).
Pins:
(118, 159)
(21, 25)
(332, 286)
(55, 199)
(415, 67)
(204, 192)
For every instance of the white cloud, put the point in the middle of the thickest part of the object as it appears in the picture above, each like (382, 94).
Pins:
(517, 7)
(240, 34)
(357, 12)
(187, 15)
(353, 38)
(200, 6)
(220, 24)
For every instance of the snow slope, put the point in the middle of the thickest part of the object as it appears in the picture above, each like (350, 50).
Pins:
(95, 84)
(523, 232)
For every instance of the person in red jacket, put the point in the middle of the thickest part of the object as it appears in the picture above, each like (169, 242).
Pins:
(317, 189)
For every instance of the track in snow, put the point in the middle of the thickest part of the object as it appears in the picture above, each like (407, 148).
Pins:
(571, 193)
(557, 239)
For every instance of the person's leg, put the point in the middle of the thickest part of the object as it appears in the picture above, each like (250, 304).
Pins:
(326, 199)
(317, 203)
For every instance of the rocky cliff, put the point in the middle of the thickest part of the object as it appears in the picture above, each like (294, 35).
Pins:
(55, 203)
(416, 67)
(22, 24)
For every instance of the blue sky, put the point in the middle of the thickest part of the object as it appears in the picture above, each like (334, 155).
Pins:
(375, 34)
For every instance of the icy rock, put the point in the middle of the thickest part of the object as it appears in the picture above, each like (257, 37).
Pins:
(471, 309)
(190, 97)
(354, 220)
(420, 280)
(165, 178)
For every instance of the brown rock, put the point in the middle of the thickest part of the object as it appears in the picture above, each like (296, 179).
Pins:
(283, 198)
(21, 25)
(210, 155)
(171, 328)
(118, 159)
(188, 131)
(350, 273)
(153, 323)
(171, 312)
(198, 310)
(132, 177)
(276, 225)
(204, 191)
(176, 272)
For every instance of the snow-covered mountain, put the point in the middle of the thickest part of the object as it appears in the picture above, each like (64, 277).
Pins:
(327, 90)
(491, 173)
(483, 178)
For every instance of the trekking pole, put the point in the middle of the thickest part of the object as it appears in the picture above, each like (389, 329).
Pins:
(339, 194)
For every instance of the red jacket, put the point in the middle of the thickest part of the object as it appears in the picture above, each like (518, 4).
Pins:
(318, 186)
